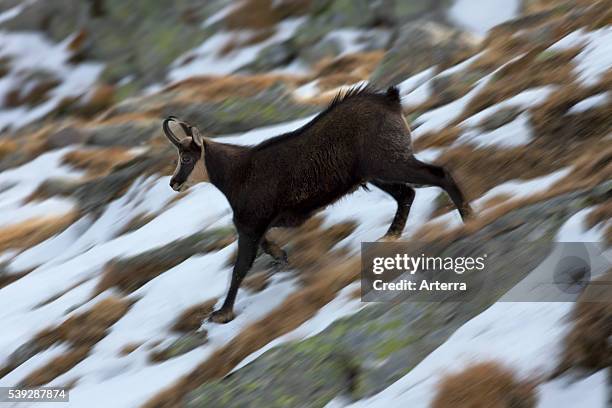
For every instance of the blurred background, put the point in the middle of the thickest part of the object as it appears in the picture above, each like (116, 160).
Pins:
(106, 274)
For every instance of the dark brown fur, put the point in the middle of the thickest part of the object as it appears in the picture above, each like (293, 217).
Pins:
(362, 137)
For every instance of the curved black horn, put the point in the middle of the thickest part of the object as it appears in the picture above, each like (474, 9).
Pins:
(169, 133)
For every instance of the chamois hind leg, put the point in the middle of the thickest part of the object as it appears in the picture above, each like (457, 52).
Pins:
(404, 195)
(271, 248)
(414, 171)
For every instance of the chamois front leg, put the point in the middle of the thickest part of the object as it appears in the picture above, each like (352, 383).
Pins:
(247, 250)
(271, 248)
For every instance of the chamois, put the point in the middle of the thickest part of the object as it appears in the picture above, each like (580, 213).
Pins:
(361, 137)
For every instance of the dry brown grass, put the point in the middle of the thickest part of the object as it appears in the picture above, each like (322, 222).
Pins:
(357, 65)
(88, 327)
(479, 170)
(309, 245)
(81, 332)
(35, 95)
(191, 318)
(129, 348)
(28, 233)
(7, 146)
(256, 282)
(262, 14)
(56, 367)
(101, 98)
(441, 138)
(551, 121)
(295, 310)
(485, 385)
(534, 69)
(137, 222)
(586, 347)
(600, 214)
(97, 162)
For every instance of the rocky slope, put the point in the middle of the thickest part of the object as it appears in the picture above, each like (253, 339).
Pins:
(106, 274)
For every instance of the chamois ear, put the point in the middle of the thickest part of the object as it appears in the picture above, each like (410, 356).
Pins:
(198, 139)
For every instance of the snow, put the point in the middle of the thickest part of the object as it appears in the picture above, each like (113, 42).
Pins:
(308, 90)
(351, 40)
(479, 16)
(436, 119)
(23, 180)
(596, 56)
(417, 89)
(594, 101)
(206, 59)
(12, 12)
(513, 134)
(519, 189)
(524, 100)
(29, 50)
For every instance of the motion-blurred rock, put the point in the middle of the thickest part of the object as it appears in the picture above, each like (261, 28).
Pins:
(420, 45)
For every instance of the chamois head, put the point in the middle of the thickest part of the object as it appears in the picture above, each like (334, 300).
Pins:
(191, 168)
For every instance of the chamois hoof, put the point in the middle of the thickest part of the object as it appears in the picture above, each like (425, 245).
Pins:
(390, 237)
(280, 262)
(222, 316)
(467, 213)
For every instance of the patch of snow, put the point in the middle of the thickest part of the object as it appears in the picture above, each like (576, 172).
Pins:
(519, 189)
(410, 84)
(479, 16)
(438, 118)
(595, 58)
(206, 58)
(221, 14)
(461, 66)
(574, 229)
(591, 102)
(36, 209)
(30, 51)
(28, 177)
(417, 89)
(589, 392)
(308, 90)
(513, 134)
(351, 40)
(13, 11)
(524, 100)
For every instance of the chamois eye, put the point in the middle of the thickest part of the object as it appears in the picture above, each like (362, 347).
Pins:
(186, 160)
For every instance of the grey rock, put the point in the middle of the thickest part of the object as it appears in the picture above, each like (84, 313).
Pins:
(272, 56)
(500, 118)
(420, 45)
(182, 345)
(65, 137)
(125, 134)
